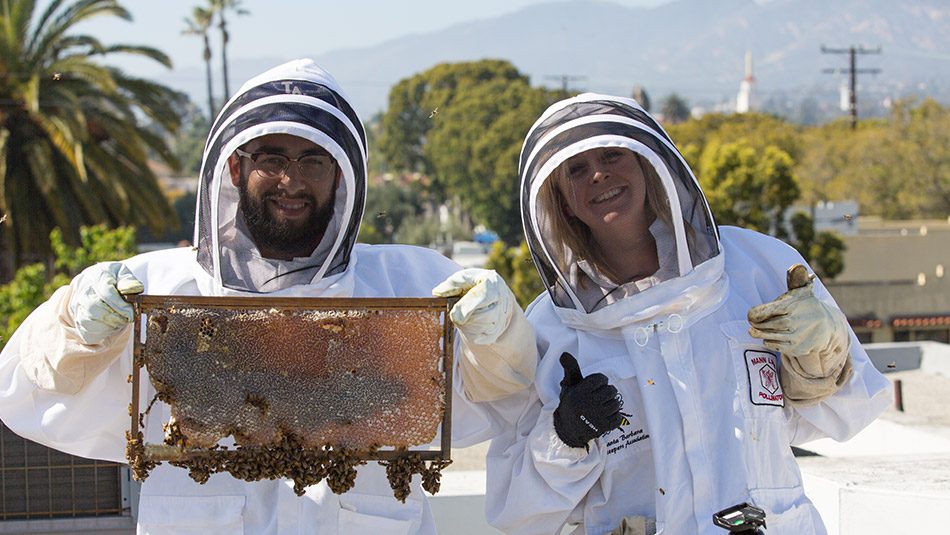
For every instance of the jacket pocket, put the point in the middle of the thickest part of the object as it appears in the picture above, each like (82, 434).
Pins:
(763, 417)
(631, 440)
(195, 515)
(378, 515)
(757, 370)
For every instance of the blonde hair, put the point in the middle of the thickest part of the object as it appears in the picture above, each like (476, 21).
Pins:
(571, 234)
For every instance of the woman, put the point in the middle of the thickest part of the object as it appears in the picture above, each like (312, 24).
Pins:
(654, 401)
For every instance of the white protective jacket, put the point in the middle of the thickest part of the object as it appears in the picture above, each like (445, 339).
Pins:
(297, 98)
(708, 425)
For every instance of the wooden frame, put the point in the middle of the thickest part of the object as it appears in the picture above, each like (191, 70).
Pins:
(147, 455)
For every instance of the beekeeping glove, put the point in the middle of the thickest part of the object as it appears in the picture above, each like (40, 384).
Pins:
(588, 407)
(70, 339)
(498, 348)
(811, 335)
(96, 306)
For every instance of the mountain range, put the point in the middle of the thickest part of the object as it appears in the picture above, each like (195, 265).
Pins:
(695, 48)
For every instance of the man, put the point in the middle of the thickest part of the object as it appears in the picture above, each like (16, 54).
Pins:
(281, 194)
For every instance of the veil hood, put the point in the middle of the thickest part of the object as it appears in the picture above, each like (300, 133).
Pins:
(687, 238)
(297, 98)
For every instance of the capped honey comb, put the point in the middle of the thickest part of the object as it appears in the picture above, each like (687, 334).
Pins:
(341, 381)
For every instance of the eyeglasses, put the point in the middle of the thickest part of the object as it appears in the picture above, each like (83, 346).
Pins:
(310, 166)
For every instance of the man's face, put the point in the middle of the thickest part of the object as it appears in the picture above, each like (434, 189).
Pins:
(286, 211)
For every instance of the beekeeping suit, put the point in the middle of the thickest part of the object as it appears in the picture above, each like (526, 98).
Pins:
(706, 423)
(64, 384)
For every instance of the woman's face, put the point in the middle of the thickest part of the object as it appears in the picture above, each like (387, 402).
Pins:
(605, 188)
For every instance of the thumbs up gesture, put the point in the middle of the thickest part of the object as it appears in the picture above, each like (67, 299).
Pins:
(811, 335)
(589, 406)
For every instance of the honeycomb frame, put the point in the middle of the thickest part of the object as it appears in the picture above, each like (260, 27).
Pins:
(308, 463)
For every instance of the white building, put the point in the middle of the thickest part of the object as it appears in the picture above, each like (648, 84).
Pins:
(745, 100)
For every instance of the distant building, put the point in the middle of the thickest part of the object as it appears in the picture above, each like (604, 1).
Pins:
(895, 285)
(745, 100)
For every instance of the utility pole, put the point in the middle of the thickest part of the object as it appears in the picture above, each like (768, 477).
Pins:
(565, 79)
(853, 71)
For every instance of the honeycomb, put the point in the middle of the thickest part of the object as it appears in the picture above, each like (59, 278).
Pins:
(355, 378)
(304, 393)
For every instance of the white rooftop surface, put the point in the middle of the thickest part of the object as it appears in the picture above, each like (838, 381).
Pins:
(891, 478)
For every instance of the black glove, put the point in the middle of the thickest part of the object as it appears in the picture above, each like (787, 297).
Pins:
(589, 406)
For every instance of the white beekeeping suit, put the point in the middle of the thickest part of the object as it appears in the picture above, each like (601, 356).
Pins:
(74, 397)
(706, 422)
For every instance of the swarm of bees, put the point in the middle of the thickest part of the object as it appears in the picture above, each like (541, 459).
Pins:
(288, 459)
(399, 472)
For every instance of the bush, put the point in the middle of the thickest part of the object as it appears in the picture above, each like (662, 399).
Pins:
(32, 284)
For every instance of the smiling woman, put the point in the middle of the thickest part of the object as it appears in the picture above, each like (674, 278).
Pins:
(654, 370)
(603, 201)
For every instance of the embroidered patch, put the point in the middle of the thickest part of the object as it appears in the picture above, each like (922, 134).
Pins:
(764, 385)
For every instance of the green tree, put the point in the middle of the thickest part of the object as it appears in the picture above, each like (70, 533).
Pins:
(474, 150)
(377, 164)
(525, 281)
(747, 188)
(463, 124)
(500, 259)
(898, 167)
(824, 251)
(183, 227)
(827, 255)
(188, 145)
(220, 8)
(921, 144)
(73, 150)
(418, 103)
(199, 24)
(32, 285)
(674, 108)
(756, 129)
(387, 206)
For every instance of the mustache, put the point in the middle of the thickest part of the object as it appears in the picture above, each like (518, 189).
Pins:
(299, 197)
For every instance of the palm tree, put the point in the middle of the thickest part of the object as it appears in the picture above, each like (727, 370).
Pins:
(199, 24)
(220, 7)
(72, 149)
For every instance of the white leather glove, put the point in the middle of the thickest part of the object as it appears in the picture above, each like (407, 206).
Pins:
(811, 335)
(483, 311)
(96, 306)
(498, 344)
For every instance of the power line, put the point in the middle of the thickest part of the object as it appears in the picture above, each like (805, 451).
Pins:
(853, 71)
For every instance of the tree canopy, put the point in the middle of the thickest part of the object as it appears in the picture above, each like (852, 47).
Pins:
(674, 108)
(73, 149)
(463, 124)
(33, 284)
(746, 187)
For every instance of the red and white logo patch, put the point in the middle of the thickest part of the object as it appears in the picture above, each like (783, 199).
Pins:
(764, 385)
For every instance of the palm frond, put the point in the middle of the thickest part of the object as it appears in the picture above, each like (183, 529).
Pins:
(146, 51)
(73, 146)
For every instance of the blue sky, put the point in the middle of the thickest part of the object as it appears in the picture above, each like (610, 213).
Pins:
(294, 28)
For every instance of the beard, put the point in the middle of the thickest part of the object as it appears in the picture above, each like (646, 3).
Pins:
(292, 239)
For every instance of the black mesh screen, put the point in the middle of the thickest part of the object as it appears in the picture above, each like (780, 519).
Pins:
(39, 482)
